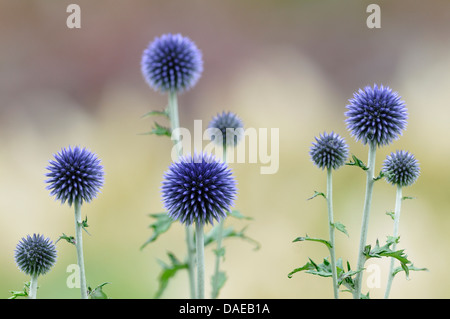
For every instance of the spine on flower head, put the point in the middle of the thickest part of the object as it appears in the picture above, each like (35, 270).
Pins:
(198, 189)
(401, 168)
(35, 255)
(329, 151)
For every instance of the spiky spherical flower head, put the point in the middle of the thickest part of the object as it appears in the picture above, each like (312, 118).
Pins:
(75, 174)
(329, 151)
(172, 62)
(401, 168)
(198, 189)
(230, 126)
(376, 115)
(35, 255)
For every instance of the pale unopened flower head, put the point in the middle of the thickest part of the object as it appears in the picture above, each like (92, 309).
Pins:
(376, 115)
(329, 151)
(231, 128)
(35, 255)
(172, 62)
(401, 168)
(198, 189)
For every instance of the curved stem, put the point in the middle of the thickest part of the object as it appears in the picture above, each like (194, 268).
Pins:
(331, 231)
(200, 261)
(398, 205)
(33, 287)
(79, 247)
(175, 124)
(365, 219)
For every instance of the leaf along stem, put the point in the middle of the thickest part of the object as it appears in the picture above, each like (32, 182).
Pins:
(398, 204)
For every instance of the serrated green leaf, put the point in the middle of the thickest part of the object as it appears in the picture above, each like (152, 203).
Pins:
(69, 239)
(357, 162)
(162, 224)
(307, 238)
(392, 214)
(221, 279)
(84, 225)
(385, 251)
(20, 293)
(156, 113)
(380, 176)
(237, 214)
(159, 130)
(97, 292)
(228, 232)
(341, 227)
(168, 271)
(410, 268)
(317, 194)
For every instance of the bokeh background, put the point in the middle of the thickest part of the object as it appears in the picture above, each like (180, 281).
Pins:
(291, 65)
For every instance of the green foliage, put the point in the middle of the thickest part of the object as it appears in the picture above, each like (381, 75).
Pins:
(20, 293)
(317, 194)
(159, 227)
(307, 238)
(97, 292)
(69, 239)
(410, 268)
(162, 224)
(358, 163)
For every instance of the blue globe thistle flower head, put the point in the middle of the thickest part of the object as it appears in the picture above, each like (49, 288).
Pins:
(376, 115)
(401, 168)
(329, 151)
(198, 189)
(35, 255)
(172, 62)
(231, 129)
(75, 174)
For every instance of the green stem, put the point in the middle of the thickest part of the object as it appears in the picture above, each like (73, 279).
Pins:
(398, 205)
(331, 231)
(365, 219)
(175, 123)
(33, 287)
(79, 247)
(200, 261)
(216, 277)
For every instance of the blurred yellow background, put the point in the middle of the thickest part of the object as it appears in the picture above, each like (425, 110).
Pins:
(291, 65)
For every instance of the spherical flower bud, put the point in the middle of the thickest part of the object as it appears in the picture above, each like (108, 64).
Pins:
(35, 255)
(376, 115)
(230, 126)
(401, 168)
(172, 63)
(329, 151)
(198, 189)
(75, 175)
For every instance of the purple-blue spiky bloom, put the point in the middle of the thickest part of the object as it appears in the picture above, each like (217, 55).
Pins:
(329, 151)
(172, 62)
(198, 189)
(401, 168)
(35, 255)
(227, 122)
(75, 175)
(376, 115)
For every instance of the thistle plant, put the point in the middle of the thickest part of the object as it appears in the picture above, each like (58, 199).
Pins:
(198, 190)
(400, 169)
(226, 131)
(376, 116)
(330, 152)
(172, 63)
(35, 256)
(76, 176)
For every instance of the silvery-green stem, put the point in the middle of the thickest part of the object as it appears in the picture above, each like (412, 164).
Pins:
(200, 261)
(331, 232)
(215, 285)
(398, 204)
(365, 219)
(79, 247)
(175, 123)
(33, 287)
